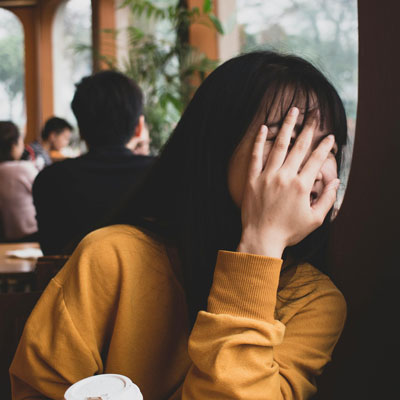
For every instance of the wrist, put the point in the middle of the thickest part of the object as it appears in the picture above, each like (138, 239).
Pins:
(269, 247)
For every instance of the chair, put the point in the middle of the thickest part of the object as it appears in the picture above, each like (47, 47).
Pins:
(15, 309)
(46, 268)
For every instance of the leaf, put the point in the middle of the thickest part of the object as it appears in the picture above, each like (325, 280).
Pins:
(163, 67)
(207, 6)
(195, 11)
(125, 3)
(149, 12)
(217, 23)
(175, 101)
(163, 100)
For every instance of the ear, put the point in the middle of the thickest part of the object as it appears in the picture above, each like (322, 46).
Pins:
(139, 127)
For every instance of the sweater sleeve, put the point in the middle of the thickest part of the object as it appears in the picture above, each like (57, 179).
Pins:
(238, 349)
(45, 365)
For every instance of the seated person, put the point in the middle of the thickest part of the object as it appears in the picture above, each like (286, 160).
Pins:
(208, 292)
(55, 136)
(75, 196)
(17, 212)
(140, 144)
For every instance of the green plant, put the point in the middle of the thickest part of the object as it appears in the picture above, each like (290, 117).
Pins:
(164, 64)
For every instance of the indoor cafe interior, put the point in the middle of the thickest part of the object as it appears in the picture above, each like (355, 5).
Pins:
(169, 47)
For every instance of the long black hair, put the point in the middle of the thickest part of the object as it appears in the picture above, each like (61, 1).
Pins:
(184, 201)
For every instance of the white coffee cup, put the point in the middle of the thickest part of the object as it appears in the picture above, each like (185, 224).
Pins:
(104, 387)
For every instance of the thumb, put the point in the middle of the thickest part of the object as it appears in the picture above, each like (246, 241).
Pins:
(327, 198)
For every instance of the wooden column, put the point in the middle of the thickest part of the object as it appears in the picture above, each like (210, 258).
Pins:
(103, 17)
(201, 36)
(47, 11)
(37, 21)
(27, 16)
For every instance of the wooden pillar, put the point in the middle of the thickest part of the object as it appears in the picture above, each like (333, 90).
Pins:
(47, 11)
(103, 18)
(201, 36)
(37, 21)
(27, 16)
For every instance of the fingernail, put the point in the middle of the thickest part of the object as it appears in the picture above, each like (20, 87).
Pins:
(293, 111)
(336, 184)
(264, 129)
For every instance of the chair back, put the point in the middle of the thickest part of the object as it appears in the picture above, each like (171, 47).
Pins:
(46, 268)
(15, 309)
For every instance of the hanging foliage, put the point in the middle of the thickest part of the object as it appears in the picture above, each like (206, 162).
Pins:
(164, 64)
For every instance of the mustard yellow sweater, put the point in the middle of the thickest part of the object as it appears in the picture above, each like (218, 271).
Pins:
(117, 307)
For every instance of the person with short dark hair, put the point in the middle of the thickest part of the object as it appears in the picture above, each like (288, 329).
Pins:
(141, 144)
(17, 212)
(108, 107)
(74, 196)
(56, 134)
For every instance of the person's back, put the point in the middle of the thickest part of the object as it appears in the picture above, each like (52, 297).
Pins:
(75, 196)
(17, 213)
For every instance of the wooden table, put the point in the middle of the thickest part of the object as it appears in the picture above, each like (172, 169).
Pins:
(15, 268)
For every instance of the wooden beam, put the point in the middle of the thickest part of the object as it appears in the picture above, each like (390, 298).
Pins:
(18, 3)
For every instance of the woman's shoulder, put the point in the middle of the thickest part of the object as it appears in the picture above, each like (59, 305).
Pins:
(305, 275)
(116, 251)
(120, 236)
(18, 165)
(304, 286)
(19, 169)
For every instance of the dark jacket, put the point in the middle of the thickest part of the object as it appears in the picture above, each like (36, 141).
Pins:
(77, 195)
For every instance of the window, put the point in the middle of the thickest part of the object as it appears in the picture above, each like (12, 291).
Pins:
(12, 75)
(324, 32)
(72, 57)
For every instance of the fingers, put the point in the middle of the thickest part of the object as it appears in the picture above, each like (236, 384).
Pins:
(300, 149)
(327, 199)
(256, 160)
(279, 150)
(313, 165)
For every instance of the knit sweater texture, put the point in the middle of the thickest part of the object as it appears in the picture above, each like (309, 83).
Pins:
(117, 306)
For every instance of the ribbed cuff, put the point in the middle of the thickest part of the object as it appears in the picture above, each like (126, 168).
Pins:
(245, 285)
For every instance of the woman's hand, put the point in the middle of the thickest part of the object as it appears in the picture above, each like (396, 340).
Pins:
(276, 209)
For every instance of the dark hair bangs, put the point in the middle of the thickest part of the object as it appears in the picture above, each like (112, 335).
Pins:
(310, 91)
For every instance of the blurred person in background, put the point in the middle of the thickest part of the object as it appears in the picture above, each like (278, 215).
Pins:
(75, 196)
(17, 212)
(140, 144)
(55, 136)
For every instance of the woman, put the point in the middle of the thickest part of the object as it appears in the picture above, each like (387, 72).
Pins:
(17, 212)
(189, 298)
